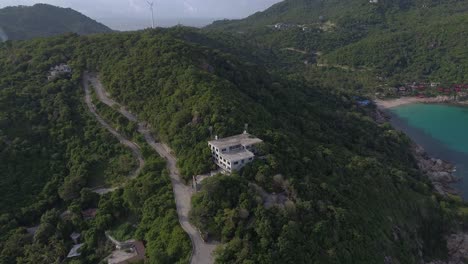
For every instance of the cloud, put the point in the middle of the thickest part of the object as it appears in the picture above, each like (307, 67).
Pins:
(189, 8)
(136, 6)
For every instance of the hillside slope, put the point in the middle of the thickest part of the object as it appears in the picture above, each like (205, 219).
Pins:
(353, 190)
(41, 20)
(404, 40)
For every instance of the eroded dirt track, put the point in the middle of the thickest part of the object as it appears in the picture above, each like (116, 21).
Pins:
(130, 144)
(202, 251)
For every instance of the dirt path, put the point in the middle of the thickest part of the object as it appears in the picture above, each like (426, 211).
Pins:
(131, 145)
(202, 252)
(296, 50)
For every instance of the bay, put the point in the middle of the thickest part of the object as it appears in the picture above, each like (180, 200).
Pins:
(442, 130)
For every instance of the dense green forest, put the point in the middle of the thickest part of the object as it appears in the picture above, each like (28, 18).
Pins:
(41, 20)
(398, 41)
(53, 151)
(352, 191)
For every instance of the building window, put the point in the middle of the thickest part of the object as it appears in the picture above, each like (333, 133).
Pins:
(223, 150)
(235, 147)
(229, 163)
(235, 163)
(217, 150)
(250, 158)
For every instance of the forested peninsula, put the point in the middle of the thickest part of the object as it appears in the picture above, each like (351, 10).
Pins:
(351, 188)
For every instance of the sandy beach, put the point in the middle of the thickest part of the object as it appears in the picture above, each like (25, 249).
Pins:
(385, 104)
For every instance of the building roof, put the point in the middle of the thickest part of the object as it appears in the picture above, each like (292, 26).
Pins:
(134, 254)
(32, 230)
(89, 213)
(74, 251)
(75, 235)
(242, 139)
(237, 155)
(140, 249)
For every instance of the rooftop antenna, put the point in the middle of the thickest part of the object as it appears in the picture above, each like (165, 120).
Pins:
(151, 4)
(211, 131)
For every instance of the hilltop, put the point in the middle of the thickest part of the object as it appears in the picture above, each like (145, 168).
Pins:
(353, 189)
(42, 20)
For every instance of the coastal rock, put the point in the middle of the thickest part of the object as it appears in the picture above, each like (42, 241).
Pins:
(425, 165)
(457, 245)
(438, 165)
(441, 176)
(439, 172)
(439, 188)
(418, 150)
(380, 116)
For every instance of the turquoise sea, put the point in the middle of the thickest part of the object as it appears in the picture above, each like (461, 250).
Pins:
(442, 130)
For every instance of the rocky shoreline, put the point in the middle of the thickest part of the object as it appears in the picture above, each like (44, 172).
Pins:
(457, 245)
(439, 172)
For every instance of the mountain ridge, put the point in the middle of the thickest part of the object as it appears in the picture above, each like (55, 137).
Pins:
(43, 20)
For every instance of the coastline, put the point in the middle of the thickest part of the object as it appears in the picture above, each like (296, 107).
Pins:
(439, 172)
(391, 103)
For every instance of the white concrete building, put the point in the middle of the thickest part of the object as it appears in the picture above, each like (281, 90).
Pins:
(59, 71)
(233, 153)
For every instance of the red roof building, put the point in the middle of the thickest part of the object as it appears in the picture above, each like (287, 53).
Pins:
(89, 213)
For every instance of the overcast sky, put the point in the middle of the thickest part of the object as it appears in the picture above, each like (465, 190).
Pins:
(164, 8)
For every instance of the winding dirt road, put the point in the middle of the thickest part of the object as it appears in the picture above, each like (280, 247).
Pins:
(131, 145)
(202, 251)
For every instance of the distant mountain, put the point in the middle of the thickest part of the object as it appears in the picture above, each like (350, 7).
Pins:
(345, 13)
(300, 12)
(41, 20)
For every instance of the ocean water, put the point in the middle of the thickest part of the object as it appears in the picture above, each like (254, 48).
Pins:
(443, 132)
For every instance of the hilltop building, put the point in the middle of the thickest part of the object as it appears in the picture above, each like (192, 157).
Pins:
(59, 71)
(233, 153)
